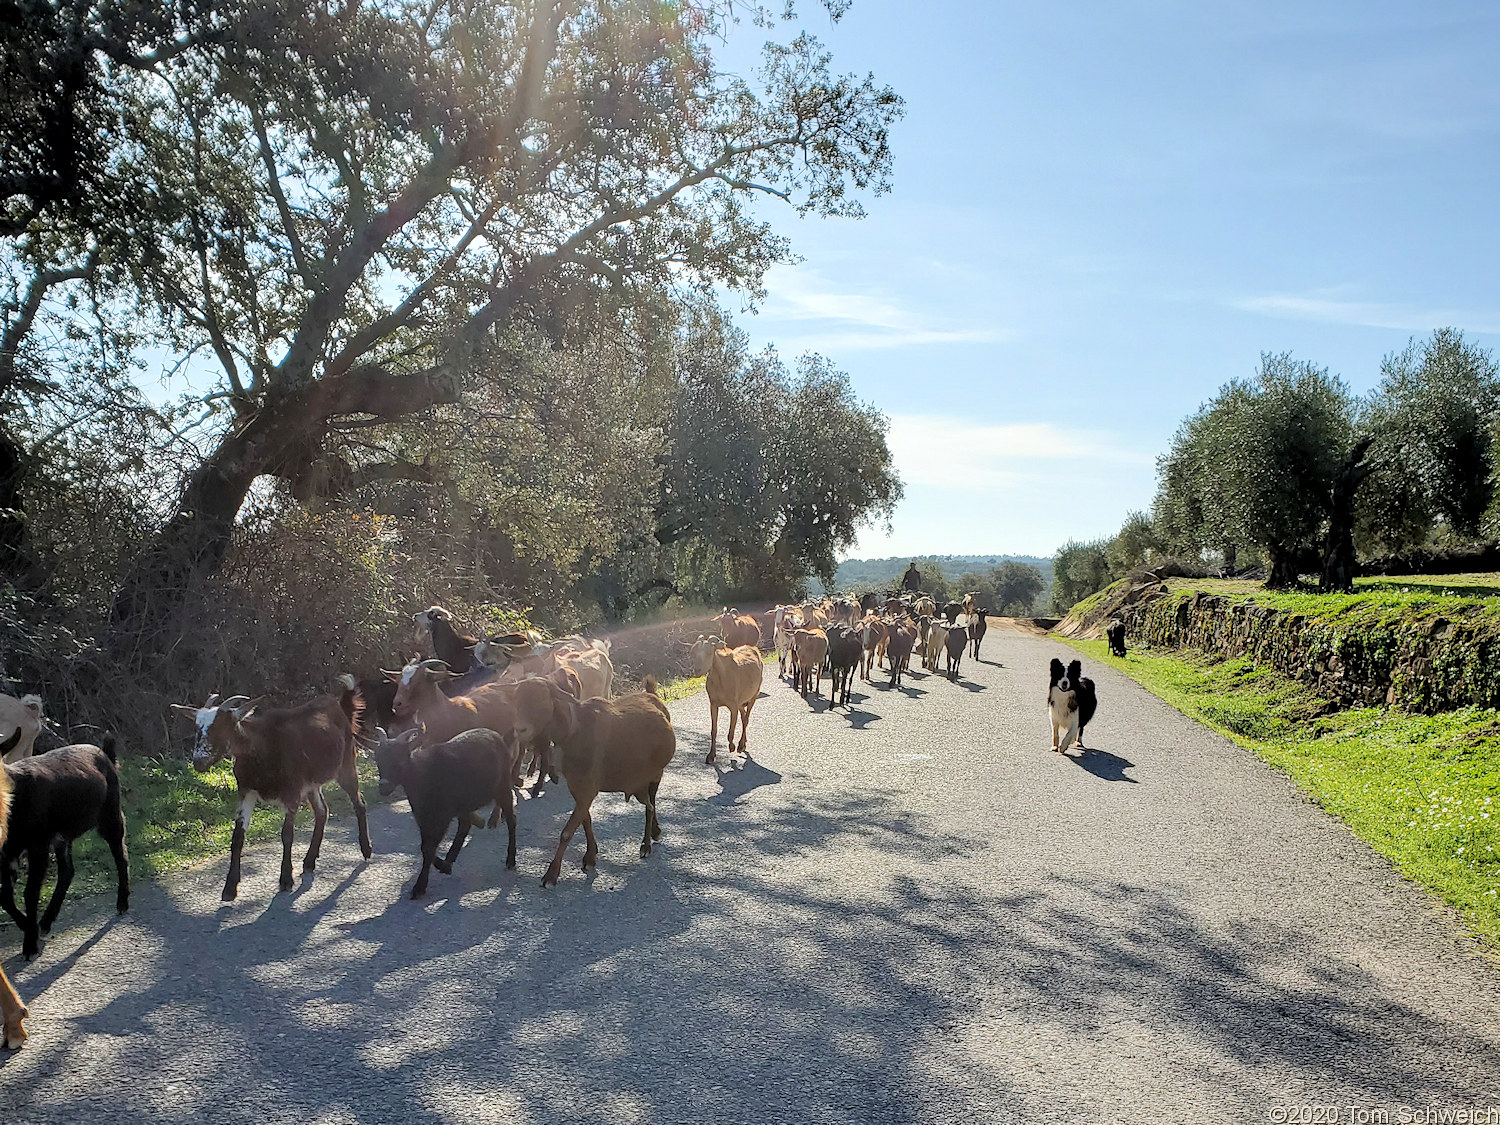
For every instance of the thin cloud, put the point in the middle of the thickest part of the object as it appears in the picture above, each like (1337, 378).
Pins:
(1365, 314)
(955, 453)
(856, 321)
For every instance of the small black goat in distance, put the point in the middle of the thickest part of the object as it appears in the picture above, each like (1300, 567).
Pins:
(1115, 635)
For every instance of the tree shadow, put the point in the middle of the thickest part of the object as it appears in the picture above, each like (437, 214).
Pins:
(871, 959)
(1103, 765)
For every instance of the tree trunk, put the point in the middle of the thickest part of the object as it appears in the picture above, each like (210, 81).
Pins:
(18, 564)
(1284, 567)
(1231, 559)
(283, 439)
(1338, 556)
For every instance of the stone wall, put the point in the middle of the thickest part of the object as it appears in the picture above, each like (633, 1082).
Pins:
(1419, 662)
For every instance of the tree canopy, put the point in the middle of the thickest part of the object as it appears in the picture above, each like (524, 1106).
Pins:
(444, 261)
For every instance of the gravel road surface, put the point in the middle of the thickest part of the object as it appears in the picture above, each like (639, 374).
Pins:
(912, 911)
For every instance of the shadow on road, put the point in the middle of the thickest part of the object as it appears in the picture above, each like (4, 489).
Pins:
(495, 993)
(1103, 765)
(736, 783)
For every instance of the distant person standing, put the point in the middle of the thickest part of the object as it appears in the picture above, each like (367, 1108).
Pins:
(912, 579)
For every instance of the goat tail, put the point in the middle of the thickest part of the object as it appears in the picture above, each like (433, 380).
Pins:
(110, 745)
(352, 703)
(649, 686)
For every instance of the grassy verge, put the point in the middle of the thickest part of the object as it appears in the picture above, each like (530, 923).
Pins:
(1422, 790)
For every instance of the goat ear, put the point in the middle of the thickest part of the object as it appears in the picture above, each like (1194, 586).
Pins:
(185, 708)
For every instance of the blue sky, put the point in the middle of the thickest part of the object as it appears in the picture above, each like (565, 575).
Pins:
(1102, 212)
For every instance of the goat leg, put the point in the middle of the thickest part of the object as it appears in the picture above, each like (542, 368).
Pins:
(13, 1012)
(320, 820)
(445, 865)
(644, 797)
(349, 782)
(505, 800)
(745, 725)
(36, 871)
(112, 828)
(591, 852)
(655, 823)
(554, 869)
(64, 855)
(713, 732)
(236, 846)
(288, 825)
(430, 844)
(8, 893)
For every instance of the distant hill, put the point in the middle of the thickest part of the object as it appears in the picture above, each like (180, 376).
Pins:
(879, 574)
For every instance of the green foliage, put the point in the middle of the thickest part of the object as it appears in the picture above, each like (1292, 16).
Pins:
(1290, 463)
(1423, 790)
(1078, 569)
(1434, 417)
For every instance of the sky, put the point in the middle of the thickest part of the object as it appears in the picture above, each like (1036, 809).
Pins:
(1103, 212)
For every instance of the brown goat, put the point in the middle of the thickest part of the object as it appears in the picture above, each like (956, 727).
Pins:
(12, 1011)
(611, 746)
(737, 628)
(283, 756)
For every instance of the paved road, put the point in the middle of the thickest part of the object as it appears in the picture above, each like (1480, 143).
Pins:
(912, 912)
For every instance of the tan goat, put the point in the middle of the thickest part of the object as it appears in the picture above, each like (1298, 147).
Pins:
(733, 677)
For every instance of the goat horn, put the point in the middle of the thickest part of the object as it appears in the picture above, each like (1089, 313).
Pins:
(235, 701)
(436, 666)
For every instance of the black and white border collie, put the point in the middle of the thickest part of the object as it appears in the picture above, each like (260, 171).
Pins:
(1071, 703)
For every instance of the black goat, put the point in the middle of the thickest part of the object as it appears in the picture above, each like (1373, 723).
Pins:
(58, 796)
(952, 610)
(447, 782)
(957, 643)
(846, 650)
(978, 626)
(1115, 634)
(448, 645)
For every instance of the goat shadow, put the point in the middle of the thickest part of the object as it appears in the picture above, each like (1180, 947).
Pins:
(737, 783)
(859, 719)
(1103, 765)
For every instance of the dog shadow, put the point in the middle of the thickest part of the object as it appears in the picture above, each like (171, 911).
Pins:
(1103, 765)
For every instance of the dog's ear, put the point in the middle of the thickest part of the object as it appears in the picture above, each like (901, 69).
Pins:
(1057, 669)
(1075, 670)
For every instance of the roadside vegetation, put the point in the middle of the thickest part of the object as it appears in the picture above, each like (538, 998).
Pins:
(1422, 790)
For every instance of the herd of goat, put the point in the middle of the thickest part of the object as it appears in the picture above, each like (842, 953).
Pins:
(459, 730)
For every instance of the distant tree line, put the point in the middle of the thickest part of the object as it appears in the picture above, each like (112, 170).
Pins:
(1012, 588)
(1293, 472)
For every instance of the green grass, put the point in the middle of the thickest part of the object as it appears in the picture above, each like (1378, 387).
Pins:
(1422, 790)
(1467, 596)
